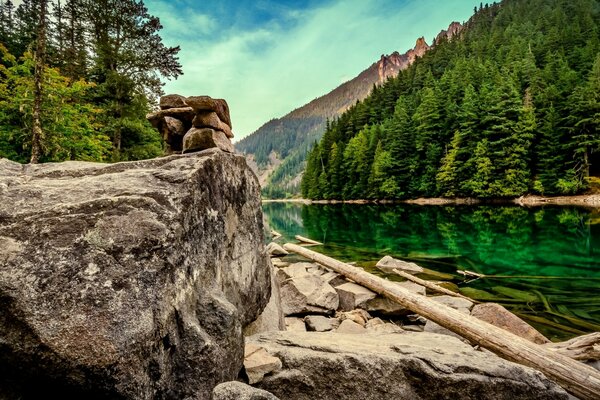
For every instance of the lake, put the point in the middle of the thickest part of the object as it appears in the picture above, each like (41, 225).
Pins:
(541, 263)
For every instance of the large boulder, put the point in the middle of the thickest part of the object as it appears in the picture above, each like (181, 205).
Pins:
(131, 280)
(395, 366)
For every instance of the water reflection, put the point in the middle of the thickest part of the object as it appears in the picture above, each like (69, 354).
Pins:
(545, 258)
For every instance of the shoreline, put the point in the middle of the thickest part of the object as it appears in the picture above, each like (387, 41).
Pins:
(586, 200)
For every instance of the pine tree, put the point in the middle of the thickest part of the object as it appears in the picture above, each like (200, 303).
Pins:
(429, 133)
(38, 82)
(447, 177)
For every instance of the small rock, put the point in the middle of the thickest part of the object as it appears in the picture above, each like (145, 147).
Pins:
(334, 279)
(206, 119)
(295, 324)
(308, 294)
(376, 325)
(413, 328)
(350, 327)
(275, 249)
(206, 103)
(172, 101)
(210, 119)
(499, 316)
(389, 264)
(457, 303)
(412, 287)
(205, 138)
(353, 296)
(295, 270)
(318, 323)
(258, 362)
(359, 316)
(240, 391)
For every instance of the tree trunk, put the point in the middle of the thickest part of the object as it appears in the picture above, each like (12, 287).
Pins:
(38, 78)
(581, 380)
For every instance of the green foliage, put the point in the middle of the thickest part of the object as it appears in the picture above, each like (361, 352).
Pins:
(510, 106)
(71, 130)
(105, 64)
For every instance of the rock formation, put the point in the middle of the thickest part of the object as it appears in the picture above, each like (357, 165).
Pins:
(189, 124)
(132, 280)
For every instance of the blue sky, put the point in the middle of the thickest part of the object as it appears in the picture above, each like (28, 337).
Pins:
(267, 57)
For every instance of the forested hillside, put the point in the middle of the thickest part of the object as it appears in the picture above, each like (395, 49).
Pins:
(76, 77)
(509, 108)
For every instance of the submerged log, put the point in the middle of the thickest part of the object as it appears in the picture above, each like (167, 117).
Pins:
(432, 286)
(579, 379)
(302, 239)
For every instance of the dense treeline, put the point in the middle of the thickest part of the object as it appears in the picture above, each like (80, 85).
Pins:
(103, 61)
(510, 106)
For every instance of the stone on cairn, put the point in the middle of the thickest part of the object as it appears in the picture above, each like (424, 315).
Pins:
(193, 124)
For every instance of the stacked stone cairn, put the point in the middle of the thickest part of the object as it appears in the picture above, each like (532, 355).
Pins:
(191, 124)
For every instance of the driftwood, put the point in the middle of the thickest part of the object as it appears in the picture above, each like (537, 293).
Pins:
(579, 379)
(582, 348)
(302, 239)
(432, 286)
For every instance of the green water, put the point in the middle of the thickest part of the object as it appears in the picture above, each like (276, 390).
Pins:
(546, 260)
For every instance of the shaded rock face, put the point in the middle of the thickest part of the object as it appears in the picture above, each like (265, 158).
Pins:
(409, 366)
(128, 281)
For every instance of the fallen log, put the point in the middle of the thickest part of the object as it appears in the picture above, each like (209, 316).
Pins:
(432, 286)
(577, 378)
(582, 348)
(302, 239)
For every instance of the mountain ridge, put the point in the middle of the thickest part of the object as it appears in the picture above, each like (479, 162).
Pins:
(288, 138)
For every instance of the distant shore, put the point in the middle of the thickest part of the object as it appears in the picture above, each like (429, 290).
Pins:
(587, 200)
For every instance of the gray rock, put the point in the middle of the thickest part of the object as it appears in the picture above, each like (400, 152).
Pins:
(258, 362)
(499, 316)
(295, 324)
(395, 366)
(334, 279)
(389, 264)
(319, 323)
(353, 296)
(295, 270)
(308, 294)
(172, 101)
(240, 391)
(461, 305)
(206, 103)
(129, 280)
(376, 325)
(185, 114)
(210, 119)
(383, 306)
(359, 316)
(350, 327)
(205, 138)
(457, 303)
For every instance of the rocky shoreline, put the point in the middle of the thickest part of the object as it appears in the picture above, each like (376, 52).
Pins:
(340, 338)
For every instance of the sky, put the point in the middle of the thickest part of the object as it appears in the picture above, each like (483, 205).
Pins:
(268, 57)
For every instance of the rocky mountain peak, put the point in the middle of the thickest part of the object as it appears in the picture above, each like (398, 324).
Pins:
(453, 29)
(421, 47)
